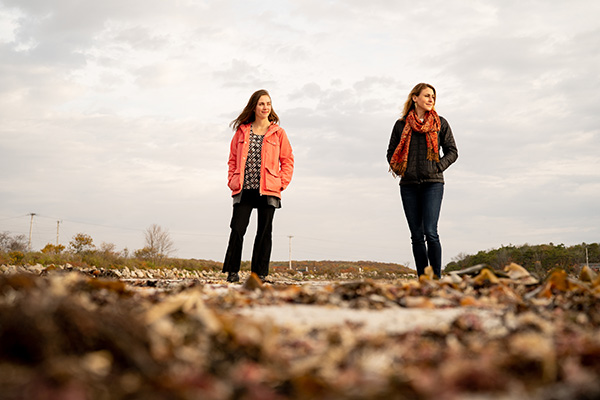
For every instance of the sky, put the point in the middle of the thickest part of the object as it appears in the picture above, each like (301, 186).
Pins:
(114, 116)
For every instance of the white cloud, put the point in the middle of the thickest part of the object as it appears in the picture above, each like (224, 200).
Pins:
(116, 114)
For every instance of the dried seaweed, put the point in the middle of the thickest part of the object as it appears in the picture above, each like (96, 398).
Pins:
(497, 334)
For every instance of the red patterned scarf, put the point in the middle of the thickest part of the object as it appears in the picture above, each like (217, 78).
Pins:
(429, 127)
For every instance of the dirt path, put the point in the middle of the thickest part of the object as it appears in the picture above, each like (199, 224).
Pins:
(385, 321)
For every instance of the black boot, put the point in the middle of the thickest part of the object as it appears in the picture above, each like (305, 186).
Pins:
(233, 277)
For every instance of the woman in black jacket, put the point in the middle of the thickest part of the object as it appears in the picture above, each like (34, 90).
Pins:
(414, 155)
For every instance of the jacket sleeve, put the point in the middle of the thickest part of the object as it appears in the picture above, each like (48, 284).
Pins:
(448, 146)
(394, 139)
(233, 154)
(286, 160)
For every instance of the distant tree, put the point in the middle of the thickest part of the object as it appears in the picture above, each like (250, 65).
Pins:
(53, 248)
(159, 244)
(124, 253)
(108, 248)
(593, 251)
(145, 254)
(107, 253)
(82, 243)
(10, 242)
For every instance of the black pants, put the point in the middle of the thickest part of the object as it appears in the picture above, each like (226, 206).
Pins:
(261, 253)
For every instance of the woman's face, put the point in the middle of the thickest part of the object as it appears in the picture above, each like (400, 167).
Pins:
(425, 101)
(263, 107)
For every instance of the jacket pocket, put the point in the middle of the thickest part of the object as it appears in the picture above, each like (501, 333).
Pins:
(234, 181)
(272, 180)
(271, 153)
(272, 140)
(433, 169)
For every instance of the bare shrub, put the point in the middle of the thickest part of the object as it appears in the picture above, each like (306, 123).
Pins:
(159, 244)
(10, 242)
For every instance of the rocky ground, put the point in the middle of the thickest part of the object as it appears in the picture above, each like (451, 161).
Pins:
(68, 333)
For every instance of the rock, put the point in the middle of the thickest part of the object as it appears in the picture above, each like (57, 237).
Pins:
(253, 282)
(36, 269)
(587, 274)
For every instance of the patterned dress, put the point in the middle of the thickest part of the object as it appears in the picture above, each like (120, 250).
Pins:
(252, 174)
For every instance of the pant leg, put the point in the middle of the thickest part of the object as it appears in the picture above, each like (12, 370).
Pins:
(239, 224)
(413, 210)
(263, 242)
(432, 204)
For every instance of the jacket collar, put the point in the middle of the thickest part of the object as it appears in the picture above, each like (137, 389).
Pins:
(272, 129)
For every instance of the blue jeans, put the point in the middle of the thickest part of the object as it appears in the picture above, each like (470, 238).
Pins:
(422, 204)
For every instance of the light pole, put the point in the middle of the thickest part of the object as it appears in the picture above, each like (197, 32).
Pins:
(30, 230)
(587, 261)
(290, 237)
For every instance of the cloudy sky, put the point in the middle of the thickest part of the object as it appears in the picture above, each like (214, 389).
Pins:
(114, 116)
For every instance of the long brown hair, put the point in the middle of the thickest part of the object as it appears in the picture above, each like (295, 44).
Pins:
(410, 104)
(247, 115)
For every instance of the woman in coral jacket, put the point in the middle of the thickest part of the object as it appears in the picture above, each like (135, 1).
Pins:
(261, 165)
(414, 154)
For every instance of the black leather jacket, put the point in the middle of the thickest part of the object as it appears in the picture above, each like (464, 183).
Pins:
(419, 169)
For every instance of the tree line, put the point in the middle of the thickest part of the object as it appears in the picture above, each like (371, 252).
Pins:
(539, 259)
(81, 251)
(14, 249)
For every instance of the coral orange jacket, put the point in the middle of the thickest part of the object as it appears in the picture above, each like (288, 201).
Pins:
(277, 161)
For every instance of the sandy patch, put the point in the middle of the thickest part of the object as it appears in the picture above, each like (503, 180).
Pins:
(388, 321)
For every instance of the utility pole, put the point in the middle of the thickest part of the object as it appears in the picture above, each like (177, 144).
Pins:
(290, 251)
(57, 230)
(30, 229)
(587, 261)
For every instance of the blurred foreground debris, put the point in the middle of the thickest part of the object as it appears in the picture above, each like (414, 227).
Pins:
(68, 334)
